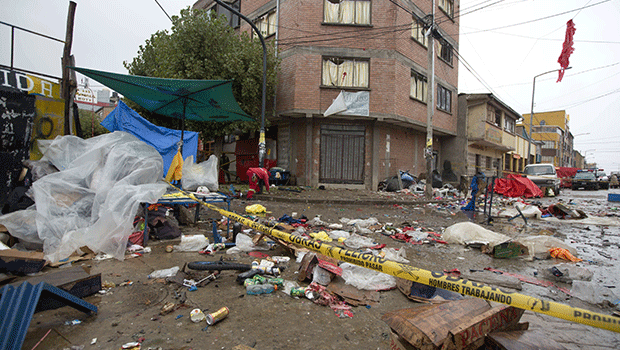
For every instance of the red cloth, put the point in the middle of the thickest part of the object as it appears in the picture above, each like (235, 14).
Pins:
(517, 186)
(567, 48)
(262, 174)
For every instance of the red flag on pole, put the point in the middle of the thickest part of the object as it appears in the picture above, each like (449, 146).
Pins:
(567, 48)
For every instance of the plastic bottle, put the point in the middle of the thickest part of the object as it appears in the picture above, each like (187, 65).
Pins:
(257, 289)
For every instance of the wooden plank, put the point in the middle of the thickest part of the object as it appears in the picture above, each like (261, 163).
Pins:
(521, 340)
(428, 328)
(75, 280)
(470, 334)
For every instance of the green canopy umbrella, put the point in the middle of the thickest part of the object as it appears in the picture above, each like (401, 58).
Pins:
(201, 100)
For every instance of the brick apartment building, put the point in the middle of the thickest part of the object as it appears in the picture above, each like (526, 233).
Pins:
(374, 51)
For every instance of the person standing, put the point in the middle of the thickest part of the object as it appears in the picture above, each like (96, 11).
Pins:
(225, 165)
(257, 178)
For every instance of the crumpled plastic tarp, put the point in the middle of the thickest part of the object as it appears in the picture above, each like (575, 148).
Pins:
(93, 199)
(201, 174)
(517, 186)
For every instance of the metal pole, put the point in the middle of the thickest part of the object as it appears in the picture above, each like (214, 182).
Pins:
(12, 45)
(529, 145)
(430, 108)
(261, 140)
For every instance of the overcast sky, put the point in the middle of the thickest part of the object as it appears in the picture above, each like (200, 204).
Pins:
(503, 43)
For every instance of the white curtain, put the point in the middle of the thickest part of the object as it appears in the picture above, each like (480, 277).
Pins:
(346, 73)
(362, 12)
(347, 12)
(271, 23)
(361, 74)
(331, 12)
(330, 73)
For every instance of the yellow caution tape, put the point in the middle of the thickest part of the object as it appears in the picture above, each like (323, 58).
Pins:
(434, 279)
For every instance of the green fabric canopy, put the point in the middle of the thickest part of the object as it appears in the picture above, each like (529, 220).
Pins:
(201, 100)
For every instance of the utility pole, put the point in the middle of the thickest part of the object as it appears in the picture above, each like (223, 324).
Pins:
(430, 107)
(67, 84)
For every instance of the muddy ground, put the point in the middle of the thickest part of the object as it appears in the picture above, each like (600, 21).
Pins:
(131, 312)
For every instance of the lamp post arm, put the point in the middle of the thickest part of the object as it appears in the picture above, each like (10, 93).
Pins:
(261, 141)
(529, 146)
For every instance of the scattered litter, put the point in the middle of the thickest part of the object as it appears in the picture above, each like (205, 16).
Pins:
(164, 273)
(192, 243)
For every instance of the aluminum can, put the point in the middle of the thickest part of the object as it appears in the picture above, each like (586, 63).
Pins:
(298, 292)
(217, 316)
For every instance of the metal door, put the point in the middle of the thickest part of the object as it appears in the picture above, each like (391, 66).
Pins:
(342, 154)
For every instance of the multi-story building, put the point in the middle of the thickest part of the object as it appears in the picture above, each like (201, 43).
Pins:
(376, 54)
(552, 128)
(494, 145)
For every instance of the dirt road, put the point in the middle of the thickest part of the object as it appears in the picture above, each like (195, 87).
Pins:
(131, 312)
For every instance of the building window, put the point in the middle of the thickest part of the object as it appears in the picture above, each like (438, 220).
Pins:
(498, 116)
(547, 159)
(346, 11)
(266, 24)
(444, 98)
(447, 6)
(445, 51)
(233, 19)
(417, 32)
(548, 144)
(509, 125)
(419, 86)
(345, 72)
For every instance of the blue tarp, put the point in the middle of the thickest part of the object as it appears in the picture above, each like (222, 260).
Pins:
(164, 140)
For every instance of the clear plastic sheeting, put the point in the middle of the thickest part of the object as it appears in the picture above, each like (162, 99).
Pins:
(94, 197)
(366, 279)
(538, 246)
(201, 174)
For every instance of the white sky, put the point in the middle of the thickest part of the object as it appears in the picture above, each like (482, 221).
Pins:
(504, 42)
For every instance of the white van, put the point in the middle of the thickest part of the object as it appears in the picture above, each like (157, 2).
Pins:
(544, 176)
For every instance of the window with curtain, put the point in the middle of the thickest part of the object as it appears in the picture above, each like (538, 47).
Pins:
(419, 86)
(444, 99)
(445, 51)
(346, 11)
(447, 6)
(417, 32)
(509, 125)
(345, 72)
(266, 24)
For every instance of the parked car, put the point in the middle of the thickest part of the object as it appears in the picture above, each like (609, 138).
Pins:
(544, 176)
(603, 179)
(585, 179)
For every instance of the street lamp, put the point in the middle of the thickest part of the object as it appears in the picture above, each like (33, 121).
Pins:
(261, 140)
(529, 145)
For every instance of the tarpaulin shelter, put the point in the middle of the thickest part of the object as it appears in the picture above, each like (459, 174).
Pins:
(517, 186)
(164, 140)
(200, 100)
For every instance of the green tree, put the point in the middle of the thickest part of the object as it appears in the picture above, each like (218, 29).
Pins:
(91, 124)
(201, 45)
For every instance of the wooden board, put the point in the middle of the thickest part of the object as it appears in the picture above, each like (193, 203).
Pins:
(75, 280)
(521, 340)
(428, 326)
(471, 332)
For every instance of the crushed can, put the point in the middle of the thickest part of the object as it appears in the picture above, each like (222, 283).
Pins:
(217, 316)
(298, 292)
(279, 281)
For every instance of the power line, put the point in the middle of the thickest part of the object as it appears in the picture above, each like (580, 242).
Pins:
(163, 10)
(537, 19)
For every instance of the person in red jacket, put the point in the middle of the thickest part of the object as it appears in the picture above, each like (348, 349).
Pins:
(257, 177)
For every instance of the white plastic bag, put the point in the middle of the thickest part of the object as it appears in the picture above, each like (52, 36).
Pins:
(366, 279)
(192, 243)
(202, 174)
(164, 273)
(468, 232)
(398, 255)
(356, 241)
